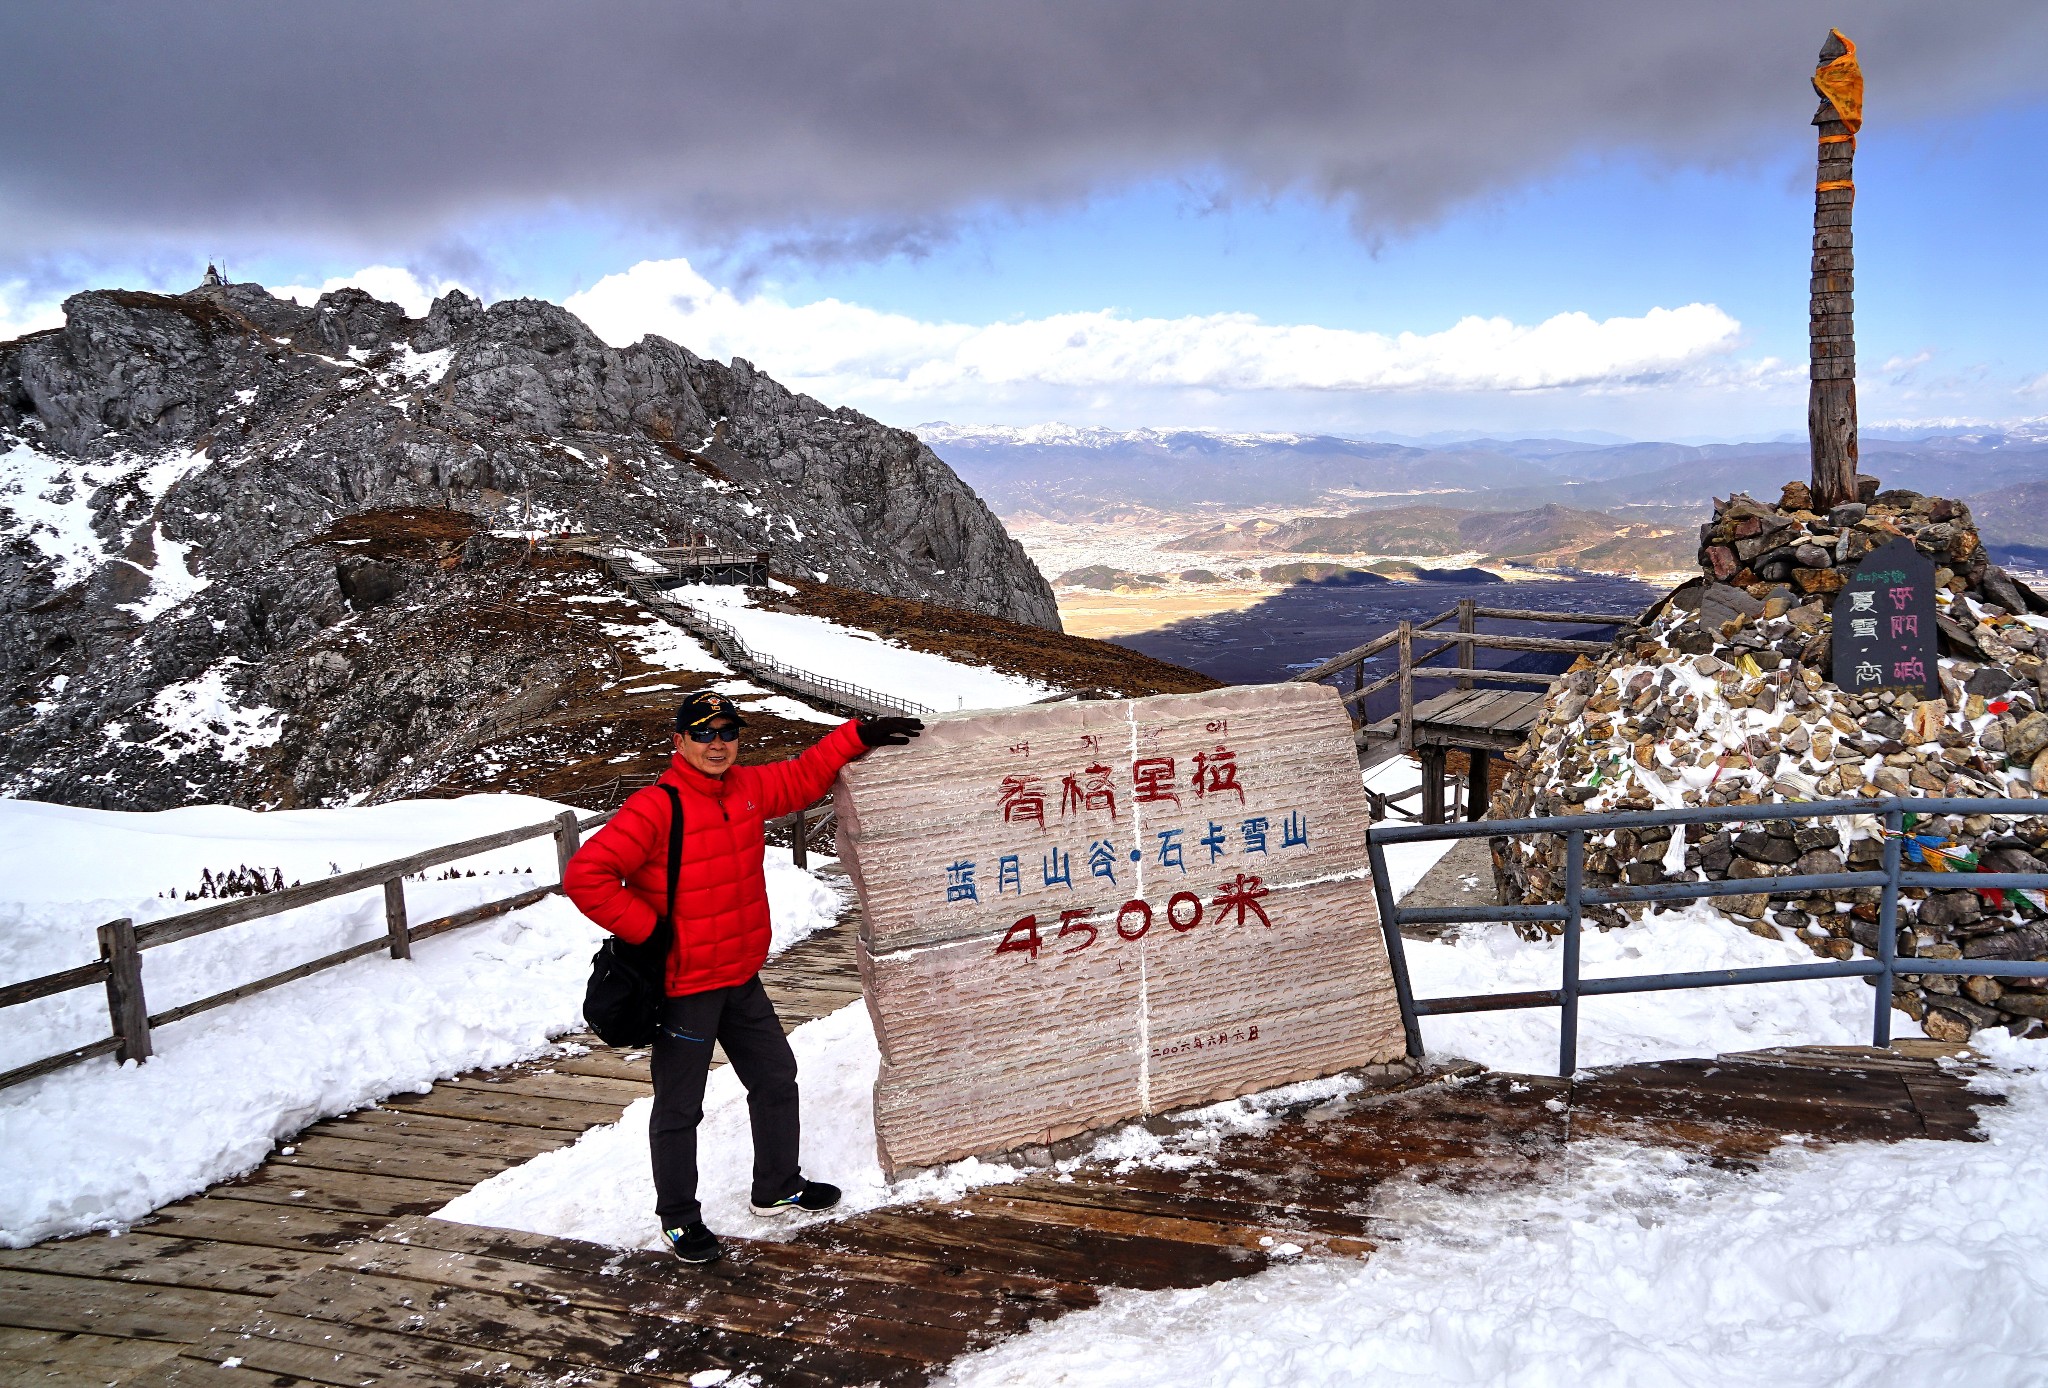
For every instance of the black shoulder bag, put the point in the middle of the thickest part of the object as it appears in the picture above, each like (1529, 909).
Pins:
(622, 1002)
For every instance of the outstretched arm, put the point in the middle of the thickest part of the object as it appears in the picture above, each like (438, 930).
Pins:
(785, 787)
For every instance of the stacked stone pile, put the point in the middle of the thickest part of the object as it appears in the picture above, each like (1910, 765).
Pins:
(1723, 698)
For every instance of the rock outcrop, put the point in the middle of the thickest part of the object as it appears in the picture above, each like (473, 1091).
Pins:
(167, 461)
(1723, 698)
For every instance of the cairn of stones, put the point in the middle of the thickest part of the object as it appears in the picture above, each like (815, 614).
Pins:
(1722, 697)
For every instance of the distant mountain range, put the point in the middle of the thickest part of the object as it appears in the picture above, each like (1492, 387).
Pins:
(1068, 472)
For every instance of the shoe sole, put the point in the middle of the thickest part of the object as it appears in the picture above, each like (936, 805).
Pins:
(698, 1262)
(770, 1211)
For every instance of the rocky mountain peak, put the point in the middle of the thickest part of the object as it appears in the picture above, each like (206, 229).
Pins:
(167, 461)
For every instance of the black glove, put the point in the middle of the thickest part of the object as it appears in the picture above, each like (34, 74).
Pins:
(888, 732)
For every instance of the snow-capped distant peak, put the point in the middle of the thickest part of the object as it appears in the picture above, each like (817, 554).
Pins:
(1057, 435)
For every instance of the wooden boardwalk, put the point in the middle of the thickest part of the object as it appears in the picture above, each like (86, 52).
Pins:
(320, 1267)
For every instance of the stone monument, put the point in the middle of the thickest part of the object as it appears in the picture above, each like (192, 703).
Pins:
(1080, 913)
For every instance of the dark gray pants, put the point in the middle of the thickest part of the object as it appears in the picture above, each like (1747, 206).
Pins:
(743, 1020)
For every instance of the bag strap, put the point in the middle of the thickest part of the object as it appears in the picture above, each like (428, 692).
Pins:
(675, 866)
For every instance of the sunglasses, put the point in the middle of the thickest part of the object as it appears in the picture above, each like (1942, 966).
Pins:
(725, 734)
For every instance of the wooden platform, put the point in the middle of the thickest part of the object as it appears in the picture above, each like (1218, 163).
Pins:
(1478, 722)
(321, 1268)
(95, 1310)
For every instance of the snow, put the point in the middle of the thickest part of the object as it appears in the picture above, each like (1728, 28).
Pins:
(813, 644)
(202, 710)
(227, 1083)
(49, 499)
(1619, 1030)
(1916, 1263)
(602, 1188)
(666, 647)
(171, 583)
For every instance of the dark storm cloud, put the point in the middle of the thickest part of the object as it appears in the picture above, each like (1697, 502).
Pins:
(375, 119)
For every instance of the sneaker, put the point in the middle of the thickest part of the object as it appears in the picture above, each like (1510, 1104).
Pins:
(811, 1197)
(693, 1243)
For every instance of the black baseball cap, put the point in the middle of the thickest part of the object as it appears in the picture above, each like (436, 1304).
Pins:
(701, 708)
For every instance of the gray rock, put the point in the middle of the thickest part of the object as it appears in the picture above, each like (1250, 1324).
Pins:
(225, 429)
(1949, 909)
(2026, 739)
(1761, 847)
(1989, 681)
(1817, 861)
(1847, 514)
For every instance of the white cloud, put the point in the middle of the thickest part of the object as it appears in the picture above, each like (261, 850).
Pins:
(389, 282)
(19, 318)
(839, 349)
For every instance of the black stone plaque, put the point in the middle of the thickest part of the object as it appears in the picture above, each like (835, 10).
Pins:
(1884, 634)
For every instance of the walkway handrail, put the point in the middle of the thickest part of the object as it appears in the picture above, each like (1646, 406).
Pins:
(1466, 642)
(1889, 878)
(119, 966)
(730, 646)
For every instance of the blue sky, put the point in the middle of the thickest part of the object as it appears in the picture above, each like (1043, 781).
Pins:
(1156, 285)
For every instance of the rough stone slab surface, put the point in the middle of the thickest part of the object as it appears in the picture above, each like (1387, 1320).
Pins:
(1081, 913)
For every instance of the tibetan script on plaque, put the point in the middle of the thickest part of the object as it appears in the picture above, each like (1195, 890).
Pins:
(1078, 913)
(1884, 636)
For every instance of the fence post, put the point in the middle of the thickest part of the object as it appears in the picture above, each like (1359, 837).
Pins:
(125, 1005)
(1397, 954)
(1407, 687)
(1357, 683)
(394, 918)
(1568, 993)
(1468, 613)
(799, 850)
(1478, 782)
(568, 838)
(1887, 924)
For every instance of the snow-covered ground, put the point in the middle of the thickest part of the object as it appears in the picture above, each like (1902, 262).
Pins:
(99, 1144)
(860, 657)
(1911, 1264)
(1923, 1262)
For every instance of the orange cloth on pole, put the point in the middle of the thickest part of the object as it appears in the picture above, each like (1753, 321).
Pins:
(1840, 83)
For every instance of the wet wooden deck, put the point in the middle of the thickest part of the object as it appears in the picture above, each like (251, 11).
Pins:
(321, 1267)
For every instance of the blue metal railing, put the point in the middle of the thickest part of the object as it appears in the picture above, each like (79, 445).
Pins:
(1577, 896)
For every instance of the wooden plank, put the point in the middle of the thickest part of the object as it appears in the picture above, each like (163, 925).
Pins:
(260, 1224)
(1108, 1191)
(609, 1063)
(582, 1334)
(141, 1256)
(66, 1359)
(712, 1302)
(755, 1255)
(128, 1310)
(768, 1271)
(1023, 1204)
(453, 1134)
(1004, 1243)
(28, 990)
(403, 1159)
(347, 1356)
(349, 1192)
(581, 1089)
(207, 918)
(513, 1110)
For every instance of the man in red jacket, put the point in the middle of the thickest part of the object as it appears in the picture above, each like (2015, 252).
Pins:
(620, 880)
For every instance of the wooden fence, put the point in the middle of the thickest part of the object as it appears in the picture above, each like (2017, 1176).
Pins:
(733, 649)
(1464, 644)
(119, 967)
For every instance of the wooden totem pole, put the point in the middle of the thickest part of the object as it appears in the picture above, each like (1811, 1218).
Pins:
(1831, 399)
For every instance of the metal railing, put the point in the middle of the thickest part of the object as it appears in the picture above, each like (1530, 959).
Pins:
(734, 650)
(1889, 878)
(121, 942)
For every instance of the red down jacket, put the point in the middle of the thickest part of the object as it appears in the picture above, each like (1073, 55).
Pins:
(618, 879)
